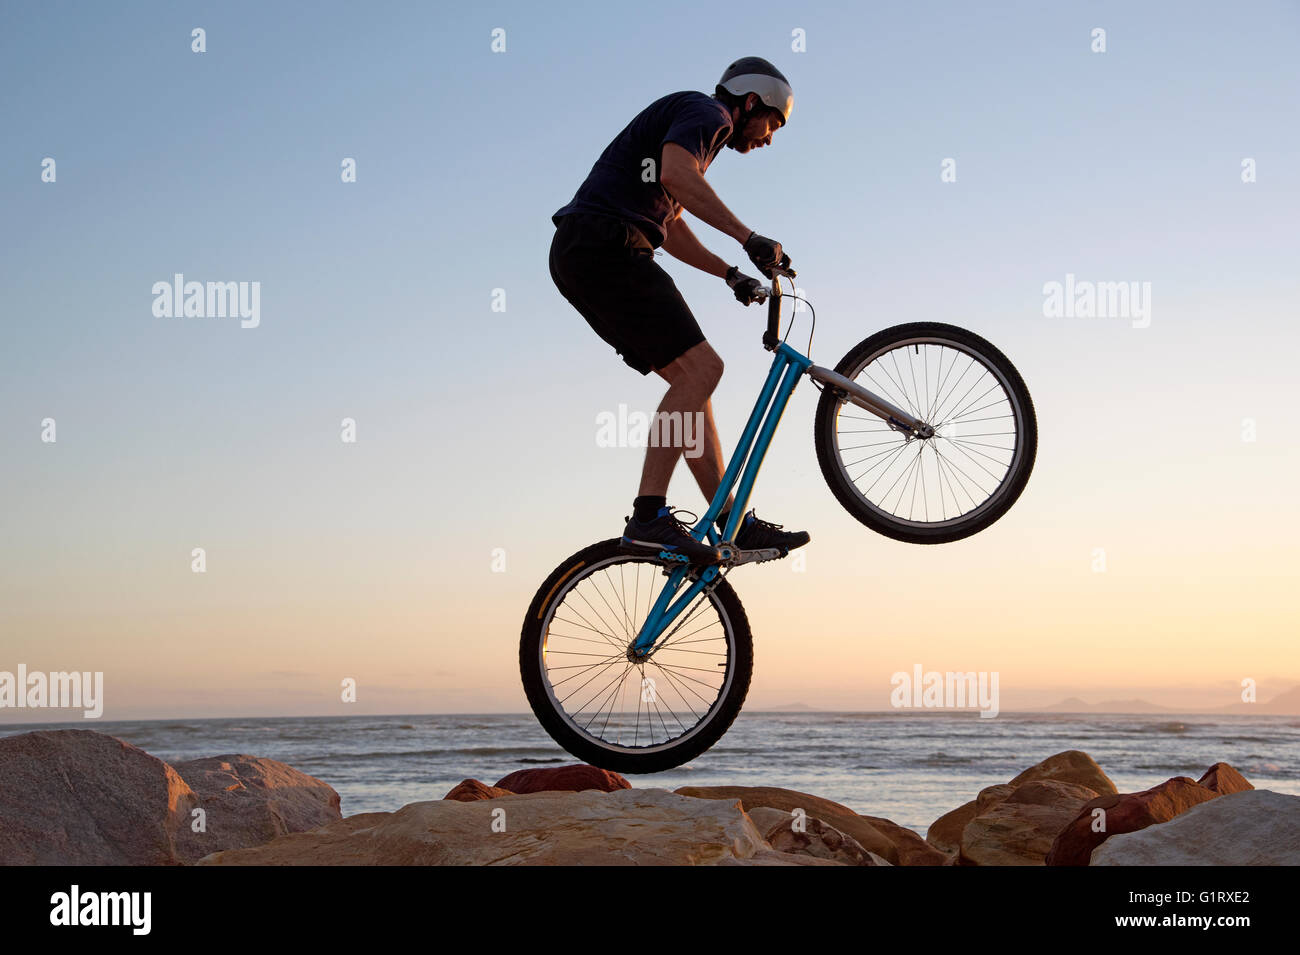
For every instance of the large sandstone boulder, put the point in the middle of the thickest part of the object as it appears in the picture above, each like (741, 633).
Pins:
(77, 797)
(1249, 827)
(626, 827)
(248, 801)
(569, 779)
(1020, 828)
(1124, 812)
(893, 843)
(1070, 766)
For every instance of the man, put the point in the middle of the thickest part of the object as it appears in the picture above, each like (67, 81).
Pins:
(602, 261)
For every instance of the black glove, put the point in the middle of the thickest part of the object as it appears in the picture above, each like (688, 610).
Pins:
(746, 288)
(765, 253)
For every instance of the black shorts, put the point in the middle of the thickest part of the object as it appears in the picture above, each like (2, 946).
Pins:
(606, 268)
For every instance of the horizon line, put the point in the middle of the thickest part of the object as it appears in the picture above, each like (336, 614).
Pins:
(899, 711)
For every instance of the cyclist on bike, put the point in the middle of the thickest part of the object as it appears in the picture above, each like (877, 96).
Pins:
(602, 261)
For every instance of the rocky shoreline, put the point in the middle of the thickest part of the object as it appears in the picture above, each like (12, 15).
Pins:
(78, 797)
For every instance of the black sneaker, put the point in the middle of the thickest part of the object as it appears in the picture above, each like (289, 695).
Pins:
(667, 537)
(758, 534)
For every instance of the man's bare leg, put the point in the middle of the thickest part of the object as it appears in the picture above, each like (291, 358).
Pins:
(708, 467)
(692, 379)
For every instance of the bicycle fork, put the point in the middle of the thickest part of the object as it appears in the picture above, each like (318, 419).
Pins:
(787, 368)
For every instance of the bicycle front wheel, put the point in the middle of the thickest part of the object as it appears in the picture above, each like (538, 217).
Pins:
(625, 715)
(949, 485)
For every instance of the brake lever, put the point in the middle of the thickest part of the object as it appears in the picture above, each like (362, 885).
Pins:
(765, 292)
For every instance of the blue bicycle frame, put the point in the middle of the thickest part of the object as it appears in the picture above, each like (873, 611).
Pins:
(787, 368)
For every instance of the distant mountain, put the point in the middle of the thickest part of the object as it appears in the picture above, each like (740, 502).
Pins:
(787, 707)
(1287, 704)
(1076, 705)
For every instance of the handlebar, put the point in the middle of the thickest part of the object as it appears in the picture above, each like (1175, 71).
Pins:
(774, 290)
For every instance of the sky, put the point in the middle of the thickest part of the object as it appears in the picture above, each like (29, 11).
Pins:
(406, 560)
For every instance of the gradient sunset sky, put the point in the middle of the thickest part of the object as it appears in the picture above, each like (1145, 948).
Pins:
(477, 428)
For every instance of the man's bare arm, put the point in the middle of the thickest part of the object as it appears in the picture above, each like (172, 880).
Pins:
(682, 244)
(682, 178)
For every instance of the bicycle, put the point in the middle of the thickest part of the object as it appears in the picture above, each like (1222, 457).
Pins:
(584, 645)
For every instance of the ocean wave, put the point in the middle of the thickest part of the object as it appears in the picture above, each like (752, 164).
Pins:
(1179, 768)
(506, 751)
(1171, 727)
(945, 759)
(1262, 767)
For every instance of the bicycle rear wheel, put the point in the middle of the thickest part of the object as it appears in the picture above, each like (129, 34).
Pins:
(935, 489)
(623, 715)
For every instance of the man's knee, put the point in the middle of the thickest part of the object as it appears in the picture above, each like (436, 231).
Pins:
(700, 365)
(711, 367)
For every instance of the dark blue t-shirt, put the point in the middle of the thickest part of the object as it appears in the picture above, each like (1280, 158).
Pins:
(617, 185)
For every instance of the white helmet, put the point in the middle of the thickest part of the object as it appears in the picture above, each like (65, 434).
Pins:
(753, 74)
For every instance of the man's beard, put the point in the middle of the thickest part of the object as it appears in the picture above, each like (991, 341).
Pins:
(737, 139)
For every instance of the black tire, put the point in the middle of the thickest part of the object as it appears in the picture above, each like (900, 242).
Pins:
(622, 758)
(1020, 408)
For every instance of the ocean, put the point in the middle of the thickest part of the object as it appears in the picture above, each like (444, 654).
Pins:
(909, 768)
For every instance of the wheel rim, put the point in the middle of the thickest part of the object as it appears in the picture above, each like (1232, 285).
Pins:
(957, 475)
(602, 696)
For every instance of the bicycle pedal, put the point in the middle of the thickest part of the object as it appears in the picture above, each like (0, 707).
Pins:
(759, 556)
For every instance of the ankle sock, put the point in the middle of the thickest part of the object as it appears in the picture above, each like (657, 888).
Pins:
(646, 508)
(722, 520)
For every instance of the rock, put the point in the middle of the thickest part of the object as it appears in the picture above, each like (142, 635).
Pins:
(626, 827)
(1248, 828)
(945, 832)
(1125, 812)
(77, 797)
(1223, 779)
(569, 779)
(472, 790)
(249, 801)
(912, 849)
(818, 839)
(1071, 766)
(1020, 828)
(1044, 792)
(895, 844)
